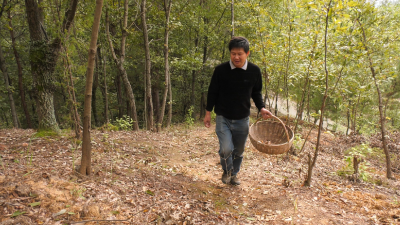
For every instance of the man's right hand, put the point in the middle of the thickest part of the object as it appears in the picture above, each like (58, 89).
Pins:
(207, 119)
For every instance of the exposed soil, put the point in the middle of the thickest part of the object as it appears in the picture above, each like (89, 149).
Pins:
(173, 177)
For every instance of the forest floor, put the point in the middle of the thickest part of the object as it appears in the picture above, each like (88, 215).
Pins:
(173, 177)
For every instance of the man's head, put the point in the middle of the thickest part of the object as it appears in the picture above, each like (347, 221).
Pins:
(239, 48)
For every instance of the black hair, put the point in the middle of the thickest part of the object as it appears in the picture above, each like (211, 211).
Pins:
(239, 42)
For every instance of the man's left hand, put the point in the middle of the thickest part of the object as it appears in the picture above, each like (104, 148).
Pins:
(265, 113)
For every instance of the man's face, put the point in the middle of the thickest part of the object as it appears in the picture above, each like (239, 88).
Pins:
(238, 57)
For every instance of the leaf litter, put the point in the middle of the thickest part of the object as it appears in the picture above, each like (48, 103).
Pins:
(173, 177)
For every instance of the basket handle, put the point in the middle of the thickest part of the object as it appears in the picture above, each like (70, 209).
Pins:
(287, 134)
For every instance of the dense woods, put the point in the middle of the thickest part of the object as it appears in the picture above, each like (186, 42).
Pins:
(156, 57)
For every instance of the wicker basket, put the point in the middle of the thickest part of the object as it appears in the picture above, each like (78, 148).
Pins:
(271, 137)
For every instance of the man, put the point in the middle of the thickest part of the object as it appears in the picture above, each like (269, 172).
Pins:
(232, 85)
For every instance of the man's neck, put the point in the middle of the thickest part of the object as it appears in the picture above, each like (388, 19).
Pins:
(243, 67)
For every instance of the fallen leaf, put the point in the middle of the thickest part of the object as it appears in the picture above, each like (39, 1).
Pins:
(17, 213)
(33, 204)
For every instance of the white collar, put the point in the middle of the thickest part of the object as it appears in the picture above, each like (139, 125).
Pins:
(234, 67)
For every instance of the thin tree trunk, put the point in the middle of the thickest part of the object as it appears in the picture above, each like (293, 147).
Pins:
(85, 168)
(348, 119)
(117, 81)
(149, 104)
(19, 66)
(167, 10)
(103, 87)
(265, 68)
(312, 162)
(276, 98)
(233, 18)
(120, 64)
(381, 111)
(10, 95)
(94, 88)
(303, 96)
(170, 102)
(71, 92)
(155, 92)
(193, 85)
(287, 66)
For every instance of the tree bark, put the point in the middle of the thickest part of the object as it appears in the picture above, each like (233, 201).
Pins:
(170, 102)
(285, 80)
(43, 58)
(167, 10)
(73, 102)
(103, 87)
(381, 111)
(149, 104)
(85, 168)
(120, 63)
(10, 95)
(233, 18)
(94, 88)
(20, 81)
(313, 161)
(117, 82)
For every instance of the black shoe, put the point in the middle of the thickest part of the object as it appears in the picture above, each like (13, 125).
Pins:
(235, 180)
(226, 178)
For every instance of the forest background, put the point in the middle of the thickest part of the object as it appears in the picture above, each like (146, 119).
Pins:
(133, 79)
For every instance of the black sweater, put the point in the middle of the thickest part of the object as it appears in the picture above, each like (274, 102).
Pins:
(230, 91)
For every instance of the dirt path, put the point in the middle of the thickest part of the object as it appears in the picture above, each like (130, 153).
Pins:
(173, 177)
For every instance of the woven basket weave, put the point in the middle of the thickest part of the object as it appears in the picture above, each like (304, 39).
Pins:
(271, 137)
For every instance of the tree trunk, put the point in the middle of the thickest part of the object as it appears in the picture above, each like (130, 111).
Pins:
(170, 102)
(193, 84)
(10, 95)
(120, 63)
(286, 82)
(103, 87)
(73, 102)
(312, 162)
(20, 81)
(233, 18)
(117, 81)
(149, 104)
(203, 104)
(94, 88)
(155, 93)
(43, 58)
(85, 168)
(382, 115)
(167, 10)
(348, 120)
(266, 77)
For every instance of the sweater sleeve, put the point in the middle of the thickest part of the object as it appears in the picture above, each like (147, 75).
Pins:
(212, 95)
(256, 94)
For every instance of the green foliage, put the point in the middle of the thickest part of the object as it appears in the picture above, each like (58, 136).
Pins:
(109, 127)
(362, 152)
(189, 120)
(298, 142)
(124, 123)
(213, 115)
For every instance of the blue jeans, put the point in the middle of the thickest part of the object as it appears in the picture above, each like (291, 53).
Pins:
(232, 135)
